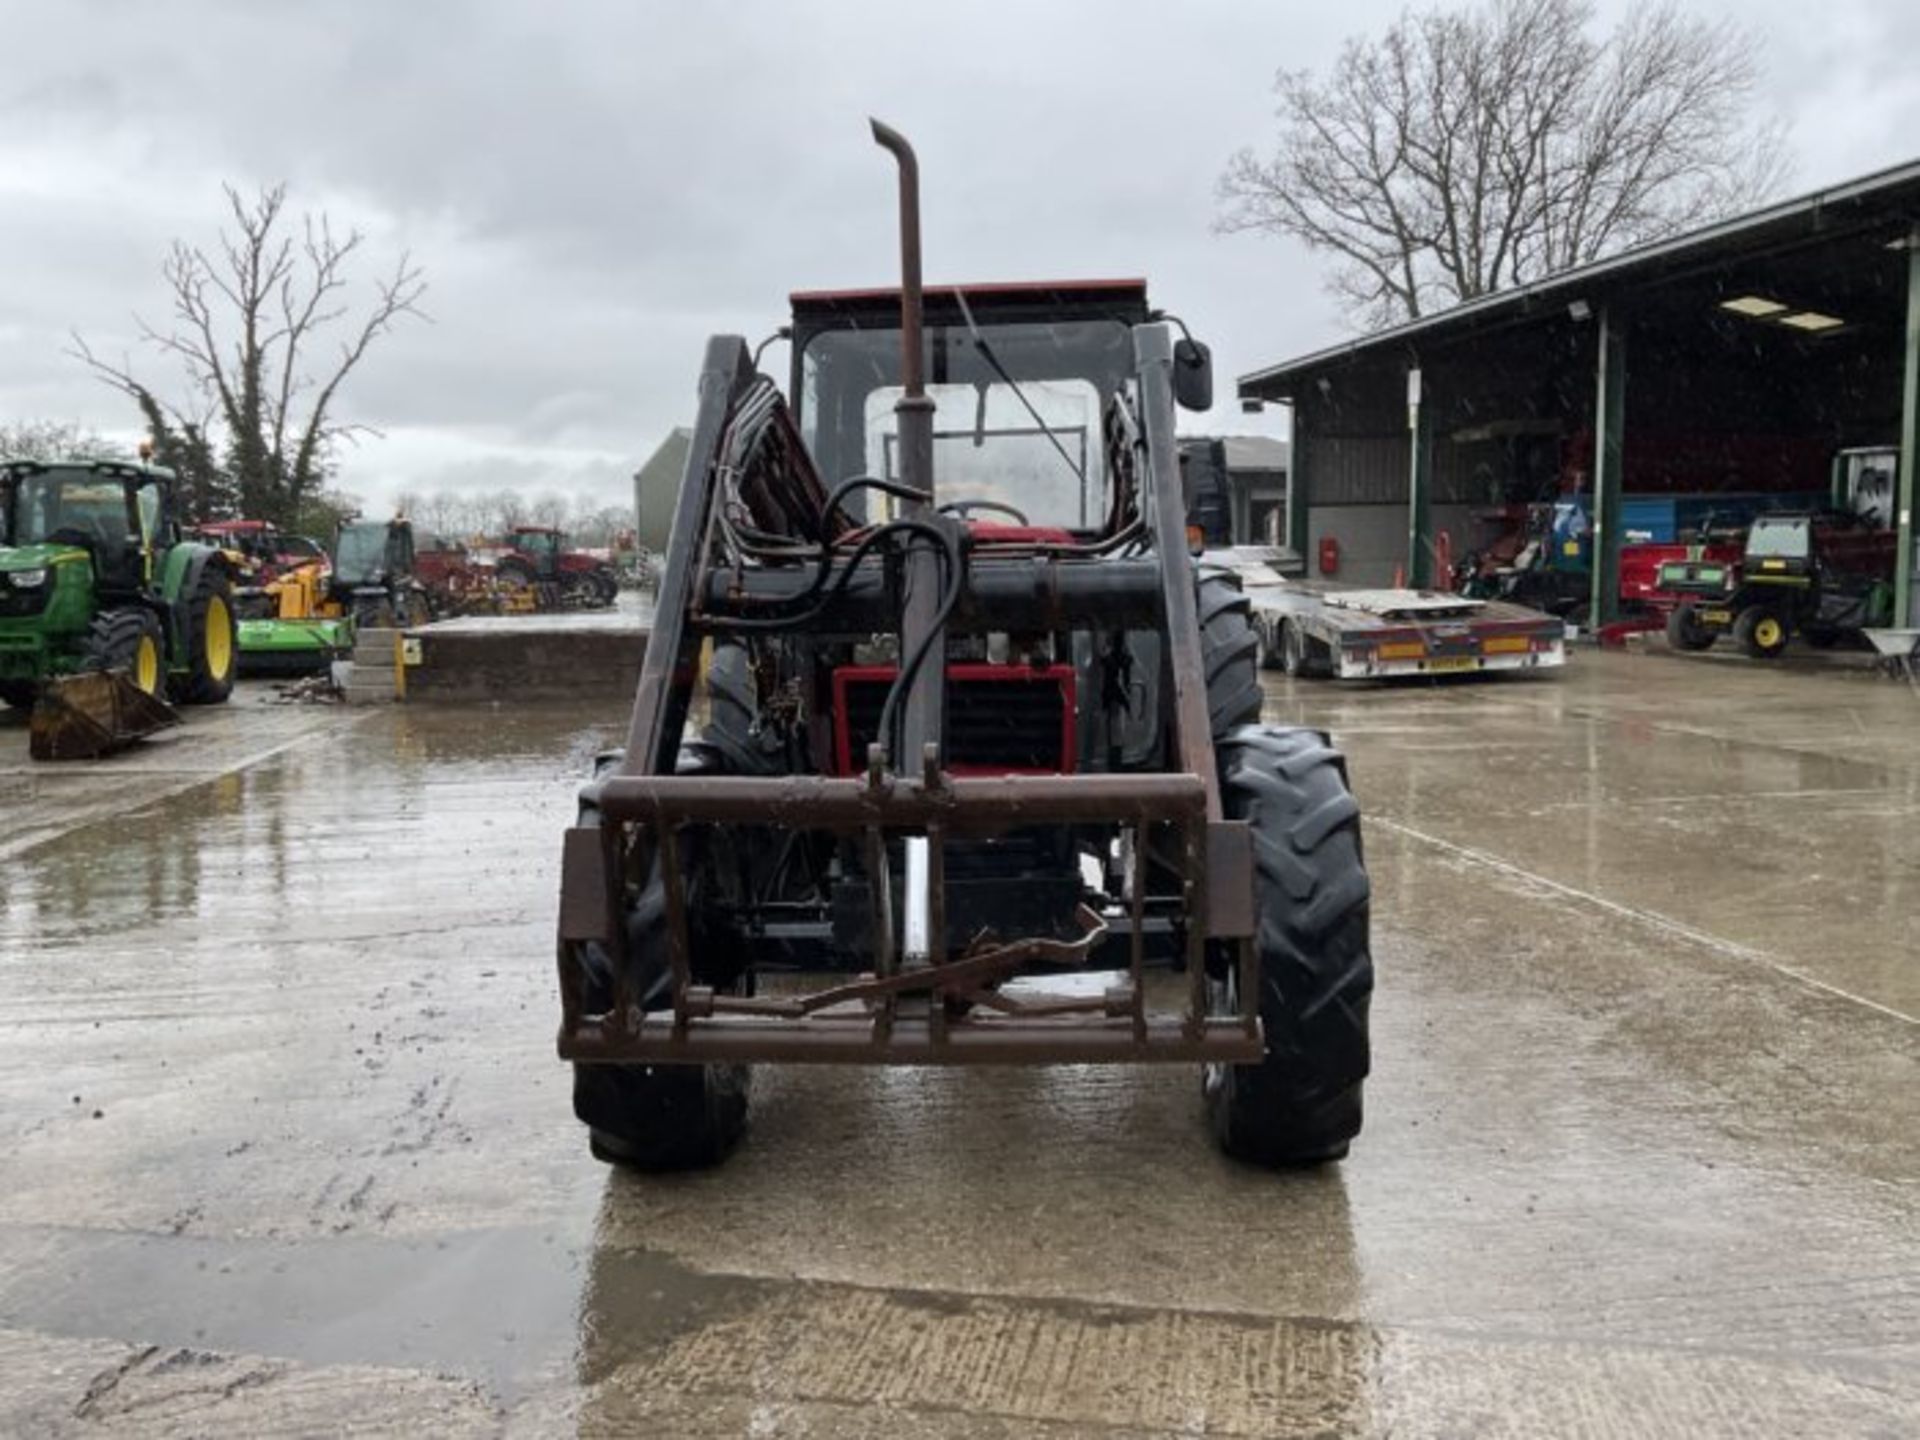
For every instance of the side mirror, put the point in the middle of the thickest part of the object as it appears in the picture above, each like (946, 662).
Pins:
(1192, 375)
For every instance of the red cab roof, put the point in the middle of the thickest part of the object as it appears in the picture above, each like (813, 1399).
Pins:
(1014, 289)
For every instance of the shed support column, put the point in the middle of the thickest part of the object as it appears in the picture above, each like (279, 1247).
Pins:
(1609, 431)
(1419, 487)
(1297, 499)
(1906, 604)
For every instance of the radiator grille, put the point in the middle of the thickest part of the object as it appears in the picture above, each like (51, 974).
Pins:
(1000, 718)
(16, 602)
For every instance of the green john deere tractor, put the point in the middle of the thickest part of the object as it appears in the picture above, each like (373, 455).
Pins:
(95, 577)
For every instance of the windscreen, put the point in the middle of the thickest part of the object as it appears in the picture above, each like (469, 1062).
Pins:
(997, 437)
(1778, 539)
(363, 554)
(75, 506)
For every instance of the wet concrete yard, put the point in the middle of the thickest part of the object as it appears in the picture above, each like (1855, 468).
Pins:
(287, 1147)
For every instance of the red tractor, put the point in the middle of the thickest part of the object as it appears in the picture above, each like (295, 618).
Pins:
(537, 557)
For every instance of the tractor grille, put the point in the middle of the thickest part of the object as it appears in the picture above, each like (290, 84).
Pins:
(1001, 719)
(15, 602)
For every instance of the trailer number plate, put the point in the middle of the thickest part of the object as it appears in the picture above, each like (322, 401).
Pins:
(1452, 662)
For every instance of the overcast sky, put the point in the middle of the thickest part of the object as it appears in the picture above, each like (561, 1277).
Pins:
(595, 188)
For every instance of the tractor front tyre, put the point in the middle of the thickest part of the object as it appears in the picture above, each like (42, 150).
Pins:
(1229, 653)
(131, 641)
(1300, 1104)
(733, 711)
(213, 647)
(1761, 632)
(653, 1117)
(1686, 631)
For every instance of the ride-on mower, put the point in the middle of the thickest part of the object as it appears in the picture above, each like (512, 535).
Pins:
(94, 578)
(973, 722)
(1824, 575)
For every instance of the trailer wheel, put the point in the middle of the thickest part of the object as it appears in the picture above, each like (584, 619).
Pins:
(1300, 1105)
(1761, 631)
(1270, 656)
(656, 1117)
(1686, 632)
(1229, 653)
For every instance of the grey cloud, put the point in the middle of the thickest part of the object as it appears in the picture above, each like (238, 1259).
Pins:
(596, 187)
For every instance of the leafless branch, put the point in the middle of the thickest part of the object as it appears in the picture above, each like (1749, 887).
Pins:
(250, 319)
(1468, 150)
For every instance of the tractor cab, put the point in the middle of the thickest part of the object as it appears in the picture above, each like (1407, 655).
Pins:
(539, 545)
(1020, 376)
(118, 514)
(373, 573)
(373, 554)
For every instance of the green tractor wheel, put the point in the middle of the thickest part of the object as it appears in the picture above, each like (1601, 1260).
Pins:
(130, 640)
(213, 652)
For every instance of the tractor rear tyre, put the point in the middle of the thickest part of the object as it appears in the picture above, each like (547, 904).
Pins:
(1300, 1105)
(1761, 631)
(656, 1117)
(17, 693)
(129, 640)
(213, 648)
(1229, 653)
(1685, 631)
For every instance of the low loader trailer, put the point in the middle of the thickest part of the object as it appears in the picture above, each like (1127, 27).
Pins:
(1321, 629)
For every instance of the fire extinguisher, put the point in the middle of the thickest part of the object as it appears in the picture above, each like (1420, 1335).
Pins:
(1329, 555)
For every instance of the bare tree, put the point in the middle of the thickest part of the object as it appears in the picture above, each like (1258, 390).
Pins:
(56, 440)
(1466, 151)
(248, 330)
(504, 510)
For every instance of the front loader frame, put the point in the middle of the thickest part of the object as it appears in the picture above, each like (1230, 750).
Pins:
(930, 1006)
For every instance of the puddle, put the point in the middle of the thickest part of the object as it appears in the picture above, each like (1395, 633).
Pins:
(511, 1307)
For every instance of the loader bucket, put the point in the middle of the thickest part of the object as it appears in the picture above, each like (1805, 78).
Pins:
(81, 717)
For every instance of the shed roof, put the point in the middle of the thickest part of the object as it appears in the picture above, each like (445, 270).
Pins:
(1885, 200)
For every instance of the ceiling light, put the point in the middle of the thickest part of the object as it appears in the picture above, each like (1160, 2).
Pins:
(1757, 306)
(1812, 320)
